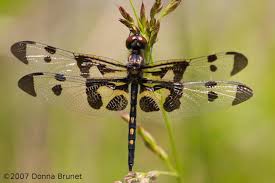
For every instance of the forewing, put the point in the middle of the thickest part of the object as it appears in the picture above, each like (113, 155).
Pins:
(42, 57)
(218, 66)
(189, 98)
(86, 95)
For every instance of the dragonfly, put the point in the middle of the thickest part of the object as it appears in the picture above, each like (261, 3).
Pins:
(93, 83)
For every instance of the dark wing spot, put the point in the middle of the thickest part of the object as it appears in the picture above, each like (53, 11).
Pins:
(50, 49)
(240, 62)
(124, 87)
(212, 58)
(151, 89)
(118, 103)
(213, 68)
(104, 69)
(212, 96)
(94, 99)
(210, 84)
(160, 73)
(19, 50)
(179, 70)
(243, 94)
(26, 83)
(57, 90)
(172, 101)
(60, 77)
(47, 59)
(147, 104)
(84, 65)
(145, 88)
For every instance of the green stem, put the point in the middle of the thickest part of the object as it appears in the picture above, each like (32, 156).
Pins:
(158, 173)
(136, 16)
(174, 174)
(151, 61)
(169, 165)
(172, 143)
(148, 56)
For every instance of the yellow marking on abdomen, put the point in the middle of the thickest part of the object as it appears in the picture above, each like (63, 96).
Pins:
(132, 130)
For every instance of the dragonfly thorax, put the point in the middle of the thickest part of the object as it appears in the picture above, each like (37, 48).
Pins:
(136, 44)
(135, 61)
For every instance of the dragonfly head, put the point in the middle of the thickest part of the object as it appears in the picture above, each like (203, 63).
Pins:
(136, 42)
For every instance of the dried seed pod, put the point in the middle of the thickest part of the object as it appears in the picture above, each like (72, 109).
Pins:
(170, 7)
(125, 14)
(156, 8)
(154, 33)
(143, 19)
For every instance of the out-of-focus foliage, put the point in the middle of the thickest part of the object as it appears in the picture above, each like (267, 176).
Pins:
(12, 7)
(237, 145)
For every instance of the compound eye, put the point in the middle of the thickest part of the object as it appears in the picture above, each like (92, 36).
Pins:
(136, 42)
(129, 41)
(142, 41)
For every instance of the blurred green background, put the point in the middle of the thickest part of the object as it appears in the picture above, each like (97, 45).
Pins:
(237, 145)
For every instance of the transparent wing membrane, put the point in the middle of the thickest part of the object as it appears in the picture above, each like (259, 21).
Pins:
(41, 57)
(85, 95)
(91, 83)
(217, 66)
(191, 98)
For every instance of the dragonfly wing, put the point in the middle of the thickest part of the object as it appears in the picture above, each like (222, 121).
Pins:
(217, 66)
(191, 98)
(42, 57)
(86, 95)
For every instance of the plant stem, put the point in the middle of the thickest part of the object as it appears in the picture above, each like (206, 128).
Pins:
(151, 61)
(168, 173)
(148, 56)
(172, 143)
(177, 169)
(170, 166)
(136, 16)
